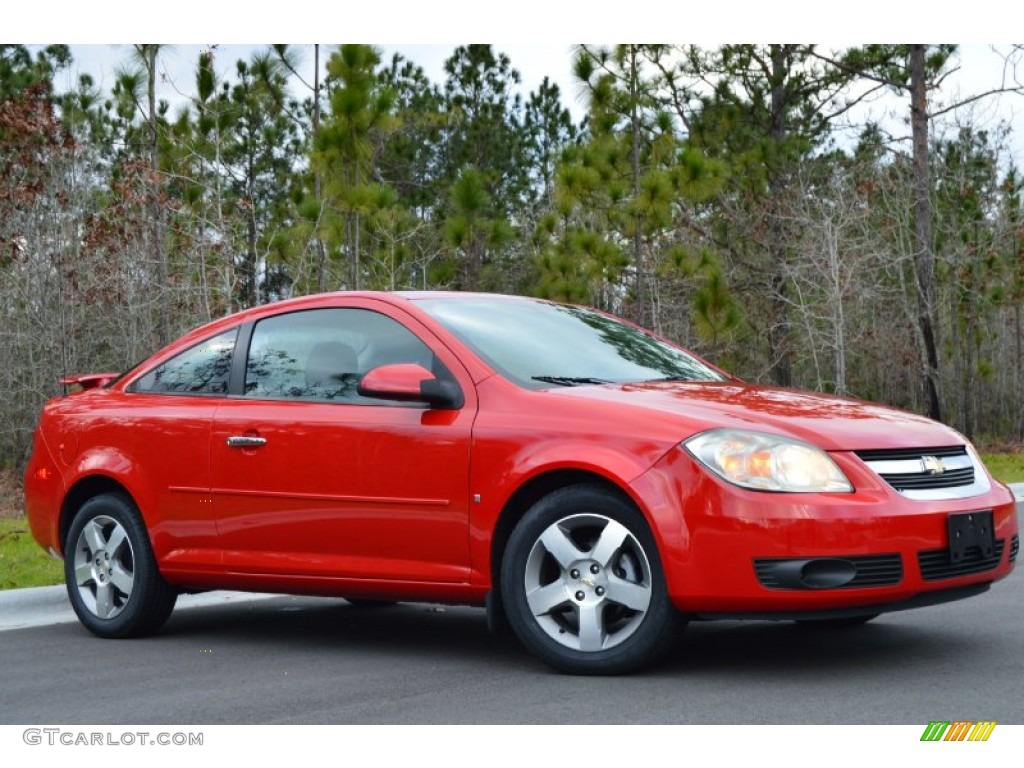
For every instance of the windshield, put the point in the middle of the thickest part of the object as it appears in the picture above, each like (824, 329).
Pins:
(539, 345)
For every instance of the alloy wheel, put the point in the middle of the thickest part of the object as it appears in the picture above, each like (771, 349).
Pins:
(588, 582)
(104, 567)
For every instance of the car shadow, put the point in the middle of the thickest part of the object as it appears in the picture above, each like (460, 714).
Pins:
(315, 624)
(766, 647)
(437, 632)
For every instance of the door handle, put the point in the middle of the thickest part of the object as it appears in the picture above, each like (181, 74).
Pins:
(246, 441)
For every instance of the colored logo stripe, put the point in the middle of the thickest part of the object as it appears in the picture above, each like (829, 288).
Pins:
(959, 730)
(982, 730)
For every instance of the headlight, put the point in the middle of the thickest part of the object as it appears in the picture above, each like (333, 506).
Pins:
(767, 462)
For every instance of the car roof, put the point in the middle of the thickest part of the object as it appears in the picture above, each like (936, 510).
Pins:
(422, 295)
(391, 297)
(317, 300)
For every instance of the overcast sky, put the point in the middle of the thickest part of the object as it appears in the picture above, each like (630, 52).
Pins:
(537, 35)
(178, 62)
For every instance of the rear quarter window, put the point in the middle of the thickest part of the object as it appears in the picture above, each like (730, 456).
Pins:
(200, 370)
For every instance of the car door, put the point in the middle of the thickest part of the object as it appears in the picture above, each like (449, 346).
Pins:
(311, 479)
(163, 422)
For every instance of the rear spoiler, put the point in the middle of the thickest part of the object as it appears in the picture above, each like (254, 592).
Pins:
(86, 381)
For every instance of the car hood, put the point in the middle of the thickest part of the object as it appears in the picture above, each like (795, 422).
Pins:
(833, 423)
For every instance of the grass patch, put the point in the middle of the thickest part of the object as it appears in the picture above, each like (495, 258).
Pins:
(23, 563)
(1007, 467)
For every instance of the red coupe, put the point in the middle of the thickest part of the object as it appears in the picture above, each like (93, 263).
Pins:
(590, 483)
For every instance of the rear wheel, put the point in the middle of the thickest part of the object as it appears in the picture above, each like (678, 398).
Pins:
(583, 587)
(112, 578)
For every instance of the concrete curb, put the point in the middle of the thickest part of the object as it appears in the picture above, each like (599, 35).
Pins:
(32, 597)
(41, 606)
(1018, 491)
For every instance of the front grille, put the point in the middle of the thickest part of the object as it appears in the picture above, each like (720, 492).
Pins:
(902, 454)
(935, 563)
(912, 469)
(949, 479)
(872, 570)
(1014, 547)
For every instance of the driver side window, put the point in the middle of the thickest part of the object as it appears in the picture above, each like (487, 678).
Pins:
(322, 354)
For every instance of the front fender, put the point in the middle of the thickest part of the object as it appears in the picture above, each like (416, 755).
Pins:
(503, 463)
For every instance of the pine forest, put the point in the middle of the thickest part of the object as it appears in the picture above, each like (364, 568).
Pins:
(715, 195)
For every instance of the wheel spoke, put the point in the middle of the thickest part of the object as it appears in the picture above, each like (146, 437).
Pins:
(543, 599)
(603, 596)
(117, 538)
(93, 534)
(560, 546)
(122, 579)
(83, 573)
(592, 634)
(609, 543)
(105, 573)
(104, 600)
(634, 596)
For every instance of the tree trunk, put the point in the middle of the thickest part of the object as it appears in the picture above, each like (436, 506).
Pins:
(251, 269)
(1018, 328)
(638, 255)
(1017, 259)
(355, 256)
(155, 210)
(778, 333)
(321, 251)
(252, 288)
(924, 257)
(838, 311)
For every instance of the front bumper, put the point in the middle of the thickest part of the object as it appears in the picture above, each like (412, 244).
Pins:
(712, 537)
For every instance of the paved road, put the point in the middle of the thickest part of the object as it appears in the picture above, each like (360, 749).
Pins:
(232, 659)
(314, 660)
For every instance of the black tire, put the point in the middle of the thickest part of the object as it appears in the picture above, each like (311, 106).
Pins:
(362, 602)
(604, 608)
(112, 577)
(846, 622)
(497, 622)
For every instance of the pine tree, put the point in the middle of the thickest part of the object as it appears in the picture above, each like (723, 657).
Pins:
(347, 149)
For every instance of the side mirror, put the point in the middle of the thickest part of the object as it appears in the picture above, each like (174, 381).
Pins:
(410, 382)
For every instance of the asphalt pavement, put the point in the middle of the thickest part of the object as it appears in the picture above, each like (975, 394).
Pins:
(237, 658)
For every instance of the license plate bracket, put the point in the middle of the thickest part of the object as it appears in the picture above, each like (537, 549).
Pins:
(970, 529)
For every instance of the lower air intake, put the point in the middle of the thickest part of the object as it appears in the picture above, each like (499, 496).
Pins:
(935, 563)
(841, 572)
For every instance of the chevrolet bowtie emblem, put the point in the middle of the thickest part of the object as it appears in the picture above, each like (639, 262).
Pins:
(932, 465)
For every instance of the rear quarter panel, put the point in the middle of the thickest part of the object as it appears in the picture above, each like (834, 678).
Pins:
(156, 447)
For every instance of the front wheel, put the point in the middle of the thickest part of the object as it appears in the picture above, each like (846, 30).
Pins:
(112, 578)
(583, 587)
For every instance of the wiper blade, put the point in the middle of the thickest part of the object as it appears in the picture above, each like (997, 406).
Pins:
(673, 378)
(570, 381)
